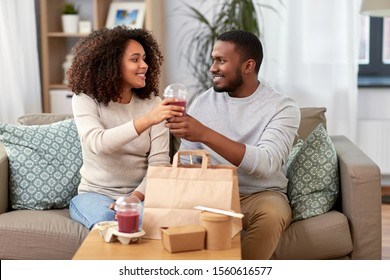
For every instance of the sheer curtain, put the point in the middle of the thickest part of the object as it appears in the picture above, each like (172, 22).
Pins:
(20, 89)
(311, 54)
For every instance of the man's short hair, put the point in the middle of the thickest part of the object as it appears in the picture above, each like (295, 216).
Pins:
(247, 43)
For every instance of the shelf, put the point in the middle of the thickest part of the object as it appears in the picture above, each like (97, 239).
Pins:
(58, 86)
(66, 35)
(56, 45)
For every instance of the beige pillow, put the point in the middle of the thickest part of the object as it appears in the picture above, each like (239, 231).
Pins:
(43, 118)
(310, 119)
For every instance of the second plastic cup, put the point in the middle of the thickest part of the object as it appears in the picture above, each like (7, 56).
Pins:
(128, 214)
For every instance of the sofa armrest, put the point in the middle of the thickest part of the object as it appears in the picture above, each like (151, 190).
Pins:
(3, 180)
(360, 181)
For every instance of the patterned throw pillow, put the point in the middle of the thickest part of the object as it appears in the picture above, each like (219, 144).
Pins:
(312, 171)
(44, 163)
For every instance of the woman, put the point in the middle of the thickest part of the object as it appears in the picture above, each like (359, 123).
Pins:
(119, 117)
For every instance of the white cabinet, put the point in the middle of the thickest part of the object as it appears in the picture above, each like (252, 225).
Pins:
(61, 101)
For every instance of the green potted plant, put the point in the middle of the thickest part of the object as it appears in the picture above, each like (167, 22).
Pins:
(69, 9)
(70, 18)
(227, 15)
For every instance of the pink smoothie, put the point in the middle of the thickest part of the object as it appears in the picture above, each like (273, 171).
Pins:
(182, 103)
(128, 221)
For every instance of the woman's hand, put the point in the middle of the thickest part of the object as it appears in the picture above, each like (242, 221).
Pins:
(165, 110)
(137, 194)
(162, 112)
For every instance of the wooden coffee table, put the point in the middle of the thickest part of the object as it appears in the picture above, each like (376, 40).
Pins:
(95, 248)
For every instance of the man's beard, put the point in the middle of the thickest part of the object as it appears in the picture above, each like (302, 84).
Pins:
(233, 85)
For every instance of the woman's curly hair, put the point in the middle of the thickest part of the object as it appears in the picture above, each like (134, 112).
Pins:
(96, 66)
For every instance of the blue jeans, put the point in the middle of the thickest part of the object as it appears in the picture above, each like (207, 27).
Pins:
(91, 208)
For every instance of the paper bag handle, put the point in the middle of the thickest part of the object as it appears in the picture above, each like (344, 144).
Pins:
(201, 153)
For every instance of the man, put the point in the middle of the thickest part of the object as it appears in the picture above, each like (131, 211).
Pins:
(245, 123)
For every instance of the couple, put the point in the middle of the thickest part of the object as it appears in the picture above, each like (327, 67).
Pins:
(123, 129)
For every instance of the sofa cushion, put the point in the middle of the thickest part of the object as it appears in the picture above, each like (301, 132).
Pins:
(32, 234)
(312, 171)
(44, 164)
(322, 237)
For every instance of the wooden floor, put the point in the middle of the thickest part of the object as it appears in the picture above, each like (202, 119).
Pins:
(385, 225)
(385, 231)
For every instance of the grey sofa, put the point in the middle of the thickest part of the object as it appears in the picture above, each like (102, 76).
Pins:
(352, 230)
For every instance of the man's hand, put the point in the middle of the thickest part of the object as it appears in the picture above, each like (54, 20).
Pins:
(188, 128)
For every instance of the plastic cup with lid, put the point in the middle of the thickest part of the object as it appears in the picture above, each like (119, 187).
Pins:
(128, 210)
(178, 91)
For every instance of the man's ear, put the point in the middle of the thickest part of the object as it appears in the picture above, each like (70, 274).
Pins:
(249, 66)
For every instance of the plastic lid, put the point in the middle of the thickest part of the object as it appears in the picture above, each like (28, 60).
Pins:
(176, 90)
(130, 202)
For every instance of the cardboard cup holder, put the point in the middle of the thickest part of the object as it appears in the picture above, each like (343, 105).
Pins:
(109, 232)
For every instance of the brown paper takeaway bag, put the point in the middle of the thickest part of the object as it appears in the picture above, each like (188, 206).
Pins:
(172, 192)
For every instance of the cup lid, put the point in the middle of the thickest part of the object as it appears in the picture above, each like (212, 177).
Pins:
(124, 202)
(176, 90)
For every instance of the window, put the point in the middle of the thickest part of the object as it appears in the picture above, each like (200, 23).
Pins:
(374, 53)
